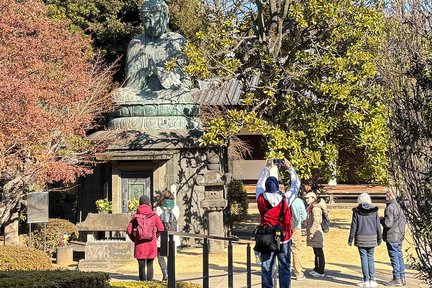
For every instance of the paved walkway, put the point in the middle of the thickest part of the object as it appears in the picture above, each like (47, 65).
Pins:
(333, 279)
(337, 274)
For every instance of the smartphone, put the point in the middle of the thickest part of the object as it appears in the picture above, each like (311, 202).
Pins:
(278, 162)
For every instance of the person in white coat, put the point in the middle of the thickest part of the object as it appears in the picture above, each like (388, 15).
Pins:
(169, 214)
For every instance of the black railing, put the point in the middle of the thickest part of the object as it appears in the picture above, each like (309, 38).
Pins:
(168, 248)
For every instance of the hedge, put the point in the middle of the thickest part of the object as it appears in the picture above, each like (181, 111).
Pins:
(56, 230)
(53, 279)
(74, 279)
(153, 284)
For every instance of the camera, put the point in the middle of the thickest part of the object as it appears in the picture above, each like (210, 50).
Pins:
(278, 162)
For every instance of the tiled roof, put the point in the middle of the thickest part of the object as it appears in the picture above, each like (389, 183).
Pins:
(217, 92)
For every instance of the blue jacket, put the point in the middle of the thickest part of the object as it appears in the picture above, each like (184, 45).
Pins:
(298, 213)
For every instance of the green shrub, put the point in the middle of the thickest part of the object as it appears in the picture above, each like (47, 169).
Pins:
(237, 200)
(53, 279)
(23, 258)
(153, 284)
(57, 229)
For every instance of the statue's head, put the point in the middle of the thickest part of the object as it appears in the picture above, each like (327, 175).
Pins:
(155, 17)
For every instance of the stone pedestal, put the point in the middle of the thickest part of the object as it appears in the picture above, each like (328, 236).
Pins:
(214, 209)
(65, 255)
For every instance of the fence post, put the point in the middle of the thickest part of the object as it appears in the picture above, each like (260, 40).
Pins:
(248, 266)
(205, 264)
(230, 265)
(171, 262)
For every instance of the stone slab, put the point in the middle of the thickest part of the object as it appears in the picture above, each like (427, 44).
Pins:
(105, 222)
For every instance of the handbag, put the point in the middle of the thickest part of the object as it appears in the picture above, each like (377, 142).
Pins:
(268, 238)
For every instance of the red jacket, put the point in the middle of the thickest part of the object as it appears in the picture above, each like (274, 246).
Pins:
(145, 249)
(271, 217)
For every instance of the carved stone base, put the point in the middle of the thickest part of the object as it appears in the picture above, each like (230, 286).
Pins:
(106, 254)
(158, 123)
(163, 109)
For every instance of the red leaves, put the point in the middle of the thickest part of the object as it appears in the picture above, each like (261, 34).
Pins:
(50, 93)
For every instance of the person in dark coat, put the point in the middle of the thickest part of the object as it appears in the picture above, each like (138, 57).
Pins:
(394, 222)
(366, 233)
(145, 250)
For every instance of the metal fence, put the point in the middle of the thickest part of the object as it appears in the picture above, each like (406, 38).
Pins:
(168, 249)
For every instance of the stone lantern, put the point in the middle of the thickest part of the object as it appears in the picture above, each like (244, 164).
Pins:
(214, 202)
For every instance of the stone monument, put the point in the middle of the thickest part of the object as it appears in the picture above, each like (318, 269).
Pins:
(155, 96)
(154, 135)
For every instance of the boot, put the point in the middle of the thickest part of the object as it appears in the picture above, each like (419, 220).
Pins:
(164, 275)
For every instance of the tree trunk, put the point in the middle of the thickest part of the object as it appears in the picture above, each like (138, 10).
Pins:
(11, 229)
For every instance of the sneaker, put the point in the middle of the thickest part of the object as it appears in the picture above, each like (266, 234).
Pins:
(394, 283)
(316, 274)
(363, 284)
(373, 284)
(403, 281)
(298, 278)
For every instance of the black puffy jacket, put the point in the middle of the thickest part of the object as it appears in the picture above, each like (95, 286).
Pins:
(365, 226)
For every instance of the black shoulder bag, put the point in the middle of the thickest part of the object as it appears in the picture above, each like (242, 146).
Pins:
(268, 238)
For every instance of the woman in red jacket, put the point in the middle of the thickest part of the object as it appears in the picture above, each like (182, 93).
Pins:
(145, 246)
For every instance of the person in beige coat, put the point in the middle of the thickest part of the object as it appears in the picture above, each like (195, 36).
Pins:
(314, 233)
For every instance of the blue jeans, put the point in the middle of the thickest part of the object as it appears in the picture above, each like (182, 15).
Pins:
(367, 263)
(267, 264)
(396, 258)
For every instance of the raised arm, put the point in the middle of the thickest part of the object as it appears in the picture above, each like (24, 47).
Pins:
(265, 173)
(260, 187)
(295, 183)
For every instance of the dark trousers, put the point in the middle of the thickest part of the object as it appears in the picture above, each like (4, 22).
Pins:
(142, 264)
(319, 260)
(162, 262)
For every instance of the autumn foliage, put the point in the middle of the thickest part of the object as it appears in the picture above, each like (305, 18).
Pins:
(51, 90)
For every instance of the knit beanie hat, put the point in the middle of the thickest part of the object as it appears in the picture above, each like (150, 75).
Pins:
(144, 200)
(271, 185)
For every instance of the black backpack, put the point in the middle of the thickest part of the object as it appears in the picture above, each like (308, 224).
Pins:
(325, 224)
(168, 219)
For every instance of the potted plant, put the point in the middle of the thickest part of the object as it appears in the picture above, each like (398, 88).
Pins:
(133, 205)
(103, 205)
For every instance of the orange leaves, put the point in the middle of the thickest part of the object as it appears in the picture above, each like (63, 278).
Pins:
(50, 92)
(60, 171)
